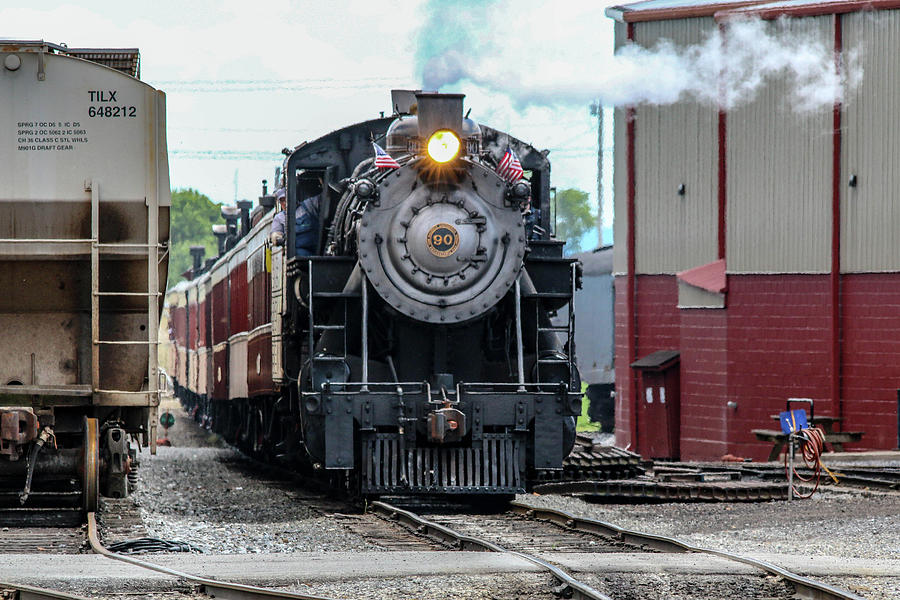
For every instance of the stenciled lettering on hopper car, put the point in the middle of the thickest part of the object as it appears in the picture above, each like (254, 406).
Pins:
(107, 105)
(46, 134)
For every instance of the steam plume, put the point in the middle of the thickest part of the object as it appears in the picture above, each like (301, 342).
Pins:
(726, 69)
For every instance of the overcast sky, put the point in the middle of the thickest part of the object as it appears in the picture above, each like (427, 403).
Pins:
(245, 79)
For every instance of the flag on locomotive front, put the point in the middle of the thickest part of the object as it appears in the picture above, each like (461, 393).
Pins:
(383, 160)
(510, 168)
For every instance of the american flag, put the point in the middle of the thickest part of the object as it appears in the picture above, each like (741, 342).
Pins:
(510, 168)
(383, 160)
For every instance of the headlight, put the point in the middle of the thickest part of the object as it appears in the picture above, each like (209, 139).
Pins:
(443, 146)
(364, 188)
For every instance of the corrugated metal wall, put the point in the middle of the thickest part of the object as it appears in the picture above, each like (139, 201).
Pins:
(594, 329)
(779, 179)
(676, 145)
(870, 219)
(620, 177)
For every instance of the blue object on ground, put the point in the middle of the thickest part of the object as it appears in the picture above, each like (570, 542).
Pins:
(793, 421)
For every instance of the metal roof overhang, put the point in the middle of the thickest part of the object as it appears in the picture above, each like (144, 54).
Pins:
(775, 10)
(126, 60)
(657, 361)
(664, 10)
(710, 277)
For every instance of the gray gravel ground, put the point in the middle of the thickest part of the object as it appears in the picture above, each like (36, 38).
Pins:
(176, 591)
(523, 586)
(224, 509)
(832, 523)
(211, 498)
(671, 587)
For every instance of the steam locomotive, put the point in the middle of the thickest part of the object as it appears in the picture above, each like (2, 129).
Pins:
(414, 351)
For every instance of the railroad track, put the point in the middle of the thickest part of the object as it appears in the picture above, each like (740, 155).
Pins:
(121, 520)
(884, 478)
(714, 482)
(532, 534)
(528, 532)
(204, 586)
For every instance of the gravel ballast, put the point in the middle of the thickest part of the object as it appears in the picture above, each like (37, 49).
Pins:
(201, 492)
(521, 586)
(210, 497)
(833, 523)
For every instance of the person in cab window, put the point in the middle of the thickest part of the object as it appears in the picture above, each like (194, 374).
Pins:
(277, 232)
(532, 217)
(307, 218)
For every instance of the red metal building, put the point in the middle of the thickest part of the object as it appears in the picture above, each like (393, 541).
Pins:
(758, 247)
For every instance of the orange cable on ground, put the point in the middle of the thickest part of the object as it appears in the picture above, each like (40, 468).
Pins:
(811, 448)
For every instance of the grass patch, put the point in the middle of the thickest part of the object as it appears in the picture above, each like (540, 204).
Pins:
(583, 423)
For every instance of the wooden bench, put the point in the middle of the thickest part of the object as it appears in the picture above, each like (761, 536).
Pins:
(836, 439)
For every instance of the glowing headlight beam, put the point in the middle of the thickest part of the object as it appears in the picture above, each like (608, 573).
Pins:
(443, 146)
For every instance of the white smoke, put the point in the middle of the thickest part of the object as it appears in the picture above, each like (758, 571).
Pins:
(727, 69)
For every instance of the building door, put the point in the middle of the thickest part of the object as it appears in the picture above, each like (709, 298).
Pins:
(659, 405)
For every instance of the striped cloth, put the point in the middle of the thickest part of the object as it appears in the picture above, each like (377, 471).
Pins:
(510, 168)
(383, 160)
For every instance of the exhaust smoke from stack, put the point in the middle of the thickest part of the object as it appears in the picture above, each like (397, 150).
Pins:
(537, 64)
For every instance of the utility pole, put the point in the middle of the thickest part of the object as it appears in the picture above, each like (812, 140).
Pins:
(597, 111)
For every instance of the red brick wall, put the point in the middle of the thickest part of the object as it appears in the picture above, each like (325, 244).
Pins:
(778, 348)
(871, 356)
(658, 326)
(704, 389)
(772, 342)
(624, 390)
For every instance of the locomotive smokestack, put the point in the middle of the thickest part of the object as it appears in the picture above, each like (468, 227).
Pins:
(244, 206)
(231, 214)
(439, 111)
(220, 232)
(197, 253)
(266, 201)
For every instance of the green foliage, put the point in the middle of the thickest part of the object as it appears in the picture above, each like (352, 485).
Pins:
(192, 217)
(574, 217)
(584, 423)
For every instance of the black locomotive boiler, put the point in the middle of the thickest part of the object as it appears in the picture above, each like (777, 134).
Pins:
(414, 351)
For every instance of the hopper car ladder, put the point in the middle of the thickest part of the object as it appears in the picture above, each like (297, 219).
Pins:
(149, 396)
(50, 247)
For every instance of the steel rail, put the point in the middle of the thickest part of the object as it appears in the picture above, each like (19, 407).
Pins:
(211, 587)
(887, 478)
(579, 590)
(28, 592)
(804, 587)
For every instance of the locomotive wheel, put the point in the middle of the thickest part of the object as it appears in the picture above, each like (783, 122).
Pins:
(91, 477)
